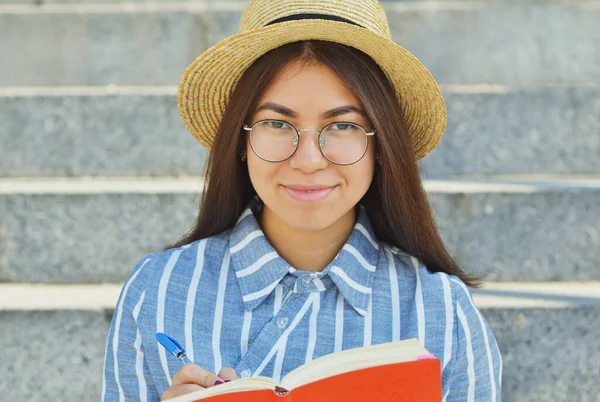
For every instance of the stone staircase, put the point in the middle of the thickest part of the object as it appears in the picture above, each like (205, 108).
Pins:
(96, 170)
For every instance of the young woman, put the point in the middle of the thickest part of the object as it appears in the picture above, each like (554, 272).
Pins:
(314, 233)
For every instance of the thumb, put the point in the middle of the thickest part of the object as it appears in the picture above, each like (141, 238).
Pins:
(227, 374)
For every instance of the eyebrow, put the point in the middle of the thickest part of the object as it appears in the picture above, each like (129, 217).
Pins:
(338, 111)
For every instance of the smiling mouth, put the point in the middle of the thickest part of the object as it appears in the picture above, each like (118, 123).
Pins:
(309, 194)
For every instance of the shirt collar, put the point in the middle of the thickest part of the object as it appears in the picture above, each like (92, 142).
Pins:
(259, 268)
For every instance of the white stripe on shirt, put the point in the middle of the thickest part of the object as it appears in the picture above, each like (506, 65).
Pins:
(277, 303)
(287, 331)
(139, 356)
(470, 358)
(257, 265)
(248, 239)
(485, 337)
(339, 322)
(449, 307)
(368, 320)
(279, 360)
(245, 332)
(117, 329)
(247, 212)
(217, 323)
(312, 326)
(356, 286)
(103, 391)
(160, 308)
(359, 257)
(395, 296)
(500, 371)
(191, 299)
(489, 355)
(365, 232)
(319, 284)
(278, 299)
(260, 293)
(419, 302)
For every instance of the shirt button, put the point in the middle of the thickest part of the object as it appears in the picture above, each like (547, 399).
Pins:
(282, 322)
(307, 281)
(245, 373)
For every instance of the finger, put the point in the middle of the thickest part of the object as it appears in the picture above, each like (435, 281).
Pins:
(191, 373)
(178, 390)
(227, 374)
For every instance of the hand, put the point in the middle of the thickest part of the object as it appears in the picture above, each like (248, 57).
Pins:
(191, 378)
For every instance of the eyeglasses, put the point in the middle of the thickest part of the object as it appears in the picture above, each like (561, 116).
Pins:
(340, 143)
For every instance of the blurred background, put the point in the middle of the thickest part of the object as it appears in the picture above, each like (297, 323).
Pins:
(97, 170)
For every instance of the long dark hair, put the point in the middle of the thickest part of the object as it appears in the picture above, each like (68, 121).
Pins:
(396, 202)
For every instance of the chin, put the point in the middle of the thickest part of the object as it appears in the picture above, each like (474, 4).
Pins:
(308, 218)
(309, 226)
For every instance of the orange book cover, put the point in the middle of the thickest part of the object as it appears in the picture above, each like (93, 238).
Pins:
(395, 371)
(418, 380)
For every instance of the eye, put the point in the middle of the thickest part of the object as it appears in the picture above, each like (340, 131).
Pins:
(277, 124)
(342, 126)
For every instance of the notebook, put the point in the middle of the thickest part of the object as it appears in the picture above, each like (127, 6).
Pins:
(394, 371)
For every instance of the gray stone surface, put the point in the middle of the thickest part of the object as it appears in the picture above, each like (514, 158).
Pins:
(114, 135)
(543, 130)
(52, 355)
(512, 43)
(546, 236)
(123, 48)
(86, 238)
(548, 354)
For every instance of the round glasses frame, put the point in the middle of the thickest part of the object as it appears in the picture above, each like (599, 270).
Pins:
(368, 134)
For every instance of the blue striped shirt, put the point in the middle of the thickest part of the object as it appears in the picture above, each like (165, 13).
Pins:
(232, 301)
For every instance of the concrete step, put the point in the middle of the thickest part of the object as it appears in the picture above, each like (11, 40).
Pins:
(92, 230)
(32, 340)
(114, 131)
(461, 42)
(95, 131)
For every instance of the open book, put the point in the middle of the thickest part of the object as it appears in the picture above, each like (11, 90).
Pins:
(394, 371)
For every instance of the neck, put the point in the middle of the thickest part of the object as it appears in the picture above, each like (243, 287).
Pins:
(306, 250)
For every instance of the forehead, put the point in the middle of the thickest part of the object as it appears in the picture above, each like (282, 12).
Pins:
(308, 84)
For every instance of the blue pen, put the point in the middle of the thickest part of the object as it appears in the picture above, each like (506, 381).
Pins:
(173, 347)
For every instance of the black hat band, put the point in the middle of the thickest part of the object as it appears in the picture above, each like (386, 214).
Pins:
(296, 17)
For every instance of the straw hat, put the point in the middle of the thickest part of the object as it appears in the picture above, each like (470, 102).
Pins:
(207, 83)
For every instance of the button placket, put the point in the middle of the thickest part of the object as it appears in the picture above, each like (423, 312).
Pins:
(282, 322)
(307, 281)
(270, 334)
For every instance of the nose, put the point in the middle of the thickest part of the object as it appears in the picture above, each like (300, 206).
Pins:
(308, 156)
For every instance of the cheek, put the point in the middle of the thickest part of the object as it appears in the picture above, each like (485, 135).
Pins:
(361, 174)
(359, 177)
(262, 174)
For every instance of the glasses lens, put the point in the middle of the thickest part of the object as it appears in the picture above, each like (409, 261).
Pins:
(273, 140)
(343, 143)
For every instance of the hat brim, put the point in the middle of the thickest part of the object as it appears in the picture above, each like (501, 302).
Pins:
(208, 81)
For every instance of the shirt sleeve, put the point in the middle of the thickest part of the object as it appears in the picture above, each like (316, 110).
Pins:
(477, 368)
(126, 376)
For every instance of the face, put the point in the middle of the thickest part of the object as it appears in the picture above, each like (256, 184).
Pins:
(306, 191)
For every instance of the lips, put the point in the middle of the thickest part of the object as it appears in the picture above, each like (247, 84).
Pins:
(309, 193)
(308, 188)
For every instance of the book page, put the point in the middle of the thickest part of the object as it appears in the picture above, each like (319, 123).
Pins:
(353, 359)
(239, 385)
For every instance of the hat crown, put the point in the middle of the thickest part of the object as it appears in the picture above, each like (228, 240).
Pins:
(368, 14)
